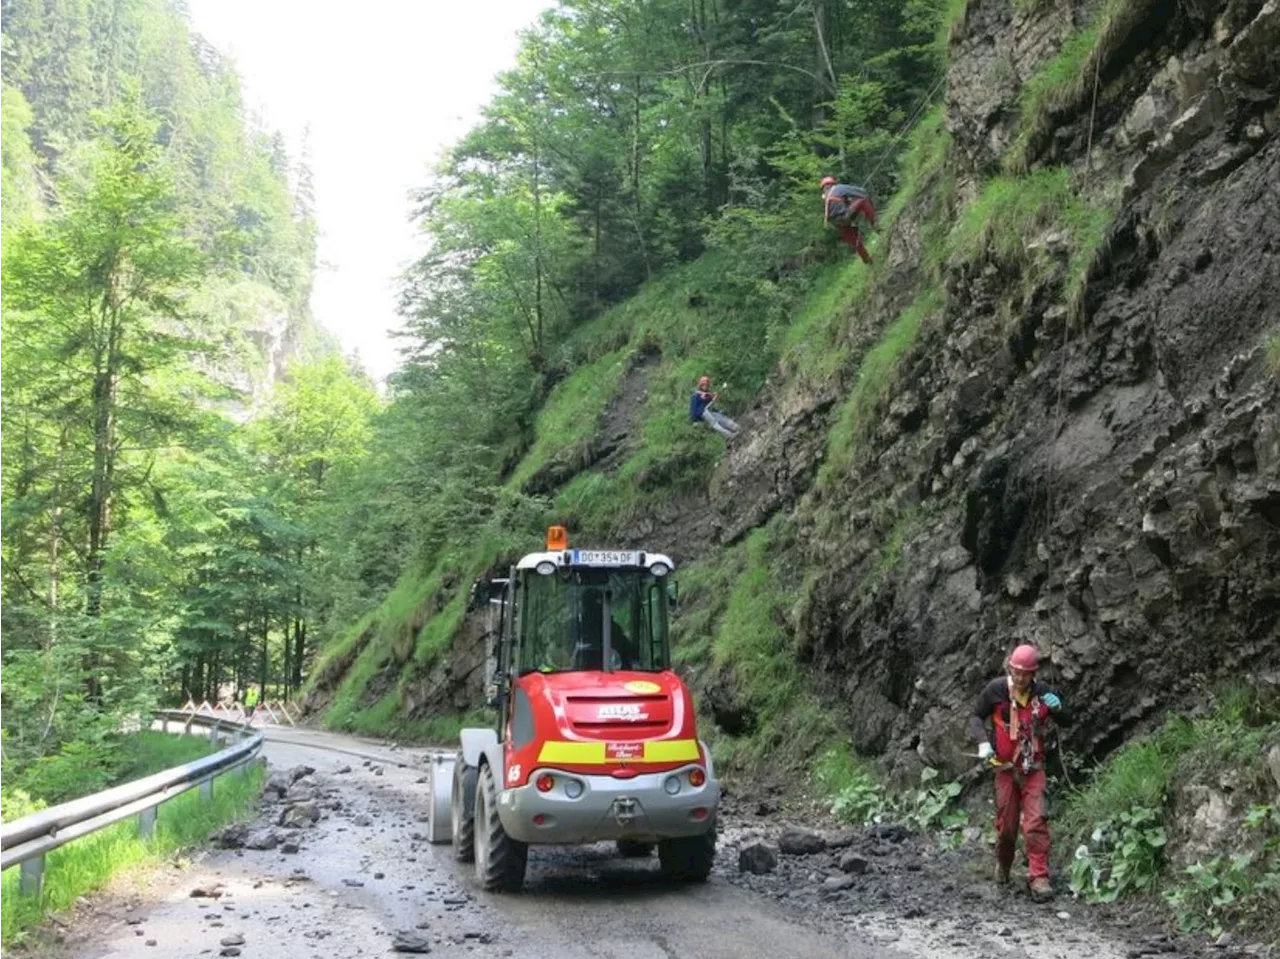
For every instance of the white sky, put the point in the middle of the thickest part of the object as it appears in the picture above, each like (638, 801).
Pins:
(383, 85)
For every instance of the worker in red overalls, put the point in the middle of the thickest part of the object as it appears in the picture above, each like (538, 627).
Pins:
(1018, 706)
(842, 204)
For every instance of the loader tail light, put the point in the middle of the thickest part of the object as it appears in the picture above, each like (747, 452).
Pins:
(545, 782)
(697, 777)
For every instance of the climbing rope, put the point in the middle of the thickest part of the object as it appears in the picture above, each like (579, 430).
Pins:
(1059, 412)
(906, 127)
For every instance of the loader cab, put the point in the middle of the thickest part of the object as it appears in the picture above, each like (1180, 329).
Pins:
(577, 611)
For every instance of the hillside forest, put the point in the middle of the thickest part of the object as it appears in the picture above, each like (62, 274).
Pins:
(173, 421)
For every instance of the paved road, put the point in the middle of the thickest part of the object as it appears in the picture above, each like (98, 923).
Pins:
(364, 873)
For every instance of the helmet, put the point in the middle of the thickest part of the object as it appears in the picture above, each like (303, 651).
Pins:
(704, 382)
(1025, 657)
(828, 181)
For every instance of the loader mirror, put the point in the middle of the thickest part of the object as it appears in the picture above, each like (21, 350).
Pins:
(673, 593)
(485, 591)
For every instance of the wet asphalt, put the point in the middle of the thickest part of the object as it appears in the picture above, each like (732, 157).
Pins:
(365, 875)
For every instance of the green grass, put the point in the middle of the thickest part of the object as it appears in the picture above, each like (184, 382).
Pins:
(812, 347)
(392, 634)
(1064, 81)
(1141, 773)
(952, 27)
(1273, 352)
(922, 160)
(875, 377)
(569, 420)
(148, 751)
(442, 730)
(1012, 210)
(90, 863)
(751, 640)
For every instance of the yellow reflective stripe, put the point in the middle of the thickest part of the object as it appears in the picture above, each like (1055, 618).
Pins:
(589, 754)
(670, 750)
(593, 754)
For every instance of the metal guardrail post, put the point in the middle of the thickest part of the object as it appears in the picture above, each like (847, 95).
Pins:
(147, 822)
(213, 732)
(31, 881)
(206, 789)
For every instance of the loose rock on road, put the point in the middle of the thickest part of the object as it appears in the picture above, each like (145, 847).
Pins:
(339, 866)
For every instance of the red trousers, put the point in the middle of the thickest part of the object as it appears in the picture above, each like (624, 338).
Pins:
(854, 239)
(848, 233)
(1021, 797)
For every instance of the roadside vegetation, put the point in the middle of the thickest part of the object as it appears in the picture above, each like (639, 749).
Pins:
(1133, 831)
(82, 768)
(91, 862)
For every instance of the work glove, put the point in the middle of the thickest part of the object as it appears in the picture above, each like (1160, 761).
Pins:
(985, 751)
(1052, 701)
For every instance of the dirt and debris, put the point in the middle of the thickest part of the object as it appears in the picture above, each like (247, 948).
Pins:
(879, 893)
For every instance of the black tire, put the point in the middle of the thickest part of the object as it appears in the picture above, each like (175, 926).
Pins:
(500, 860)
(688, 859)
(462, 803)
(634, 849)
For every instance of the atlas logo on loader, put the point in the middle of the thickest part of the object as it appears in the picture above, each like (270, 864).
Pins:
(596, 736)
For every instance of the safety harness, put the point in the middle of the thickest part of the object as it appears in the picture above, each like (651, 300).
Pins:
(1024, 735)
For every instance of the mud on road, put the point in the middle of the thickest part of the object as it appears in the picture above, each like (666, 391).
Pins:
(361, 880)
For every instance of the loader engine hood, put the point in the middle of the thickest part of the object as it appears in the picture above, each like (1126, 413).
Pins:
(614, 706)
(619, 724)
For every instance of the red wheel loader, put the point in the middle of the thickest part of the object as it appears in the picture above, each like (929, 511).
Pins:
(596, 737)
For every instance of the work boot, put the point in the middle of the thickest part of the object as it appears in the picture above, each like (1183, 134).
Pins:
(1002, 874)
(1041, 890)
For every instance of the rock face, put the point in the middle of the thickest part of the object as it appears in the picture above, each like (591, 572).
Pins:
(1101, 478)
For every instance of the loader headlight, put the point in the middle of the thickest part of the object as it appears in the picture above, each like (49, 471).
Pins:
(545, 568)
(671, 785)
(659, 569)
(572, 788)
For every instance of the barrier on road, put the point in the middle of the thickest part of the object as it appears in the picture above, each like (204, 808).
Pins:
(28, 840)
(264, 714)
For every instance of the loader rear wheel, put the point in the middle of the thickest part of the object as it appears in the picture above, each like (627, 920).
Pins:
(500, 860)
(462, 804)
(688, 859)
(634, 849)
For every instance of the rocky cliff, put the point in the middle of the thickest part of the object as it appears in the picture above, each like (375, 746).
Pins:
(1081, 449)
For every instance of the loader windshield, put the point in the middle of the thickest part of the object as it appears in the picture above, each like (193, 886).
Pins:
(569, 619)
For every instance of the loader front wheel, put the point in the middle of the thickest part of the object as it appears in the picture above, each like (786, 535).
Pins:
(500, 860)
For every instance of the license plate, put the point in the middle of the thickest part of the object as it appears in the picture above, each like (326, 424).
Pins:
(605, 557)
(623, 750)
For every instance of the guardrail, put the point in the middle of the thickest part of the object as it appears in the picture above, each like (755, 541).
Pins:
(28, 840)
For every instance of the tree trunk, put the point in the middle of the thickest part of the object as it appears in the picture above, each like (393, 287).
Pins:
(102, 487)
(286, 667)
(262, 665)
(537, 260)
(637, 203)
(299, 649)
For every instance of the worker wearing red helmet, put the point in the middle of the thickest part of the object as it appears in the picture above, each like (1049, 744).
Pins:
(700, 410)
(1018, 706)
(843, 203)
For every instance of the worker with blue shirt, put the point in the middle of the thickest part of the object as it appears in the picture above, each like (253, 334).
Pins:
(700, 410)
